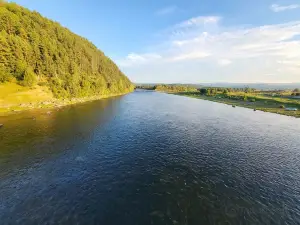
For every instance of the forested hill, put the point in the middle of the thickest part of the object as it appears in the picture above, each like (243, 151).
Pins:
(37, 51)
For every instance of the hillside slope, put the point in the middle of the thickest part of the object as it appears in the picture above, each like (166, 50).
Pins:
(37, 51)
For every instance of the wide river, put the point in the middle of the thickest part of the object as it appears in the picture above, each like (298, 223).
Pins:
(149, 158)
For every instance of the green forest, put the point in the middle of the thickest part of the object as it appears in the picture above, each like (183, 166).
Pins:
(168, 88)
(37, 51)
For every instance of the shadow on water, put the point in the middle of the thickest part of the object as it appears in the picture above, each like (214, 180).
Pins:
(32, 136)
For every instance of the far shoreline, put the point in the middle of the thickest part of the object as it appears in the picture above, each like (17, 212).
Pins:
(255, 106)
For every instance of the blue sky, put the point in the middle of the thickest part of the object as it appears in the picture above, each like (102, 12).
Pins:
(188, 41)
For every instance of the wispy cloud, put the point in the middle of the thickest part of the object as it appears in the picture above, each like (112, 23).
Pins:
(200, 20)
(280, 8)
(255, 51)
(134, 59)
(190, 56)
(166, 10)
(193, 26)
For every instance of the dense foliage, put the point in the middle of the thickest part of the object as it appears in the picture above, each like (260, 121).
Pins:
(145, 87)
(35, 50)
(174, 88)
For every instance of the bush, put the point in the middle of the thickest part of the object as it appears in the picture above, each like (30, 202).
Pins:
(4, 75)
(252, 100)
(29, 79)
(42, 83)
(282, 107)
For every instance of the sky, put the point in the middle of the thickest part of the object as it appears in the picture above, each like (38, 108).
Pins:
(188, 41)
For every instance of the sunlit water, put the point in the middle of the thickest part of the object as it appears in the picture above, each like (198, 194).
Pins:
(150, 158)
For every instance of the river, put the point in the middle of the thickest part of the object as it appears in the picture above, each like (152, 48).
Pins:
(149, 158)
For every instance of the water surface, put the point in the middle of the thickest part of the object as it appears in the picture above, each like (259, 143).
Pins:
(150, 158)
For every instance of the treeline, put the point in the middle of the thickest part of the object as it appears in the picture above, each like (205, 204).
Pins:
(35, 50)
(221, 90)
(145, 87)
(175, 88)
(168, 88)
(192, 88)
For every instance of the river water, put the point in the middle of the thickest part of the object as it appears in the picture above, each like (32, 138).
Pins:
(149, 158)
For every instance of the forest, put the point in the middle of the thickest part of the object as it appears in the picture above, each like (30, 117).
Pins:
(37, 51)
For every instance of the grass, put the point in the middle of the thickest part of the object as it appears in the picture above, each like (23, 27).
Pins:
(262, 103)
(14, 98)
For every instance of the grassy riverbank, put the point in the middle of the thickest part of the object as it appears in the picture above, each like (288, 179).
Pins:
(15, 98)
(256, 101)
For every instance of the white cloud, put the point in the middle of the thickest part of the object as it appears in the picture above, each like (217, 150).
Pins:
(256, 51)
(200, 20)
(224, 62)
(191, 55)
(134, 59)
(293, 63)
(166, 10)
(281, 8)
(192, 26)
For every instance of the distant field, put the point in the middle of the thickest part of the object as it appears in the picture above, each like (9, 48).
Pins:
(254, 101)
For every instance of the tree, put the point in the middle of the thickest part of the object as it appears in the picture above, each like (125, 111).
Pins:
(225, 92)
(29, 79)
(33, 47)
(203, 91)
(296, 90)
(4, 75)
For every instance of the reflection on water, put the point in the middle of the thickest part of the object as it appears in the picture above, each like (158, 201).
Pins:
(37, 134)
(150, 158)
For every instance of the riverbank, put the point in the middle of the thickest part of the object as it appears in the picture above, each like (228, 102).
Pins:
(272, 105)
(15, 98)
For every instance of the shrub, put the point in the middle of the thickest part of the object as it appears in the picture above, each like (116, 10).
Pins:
(282, 107)
(4, 75)
(29, 79)
(42, 83)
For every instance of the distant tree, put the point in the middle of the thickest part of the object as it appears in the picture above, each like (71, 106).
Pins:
(203, 91)
(209, 91)
(248, 90)
(175, 88)
(296, 90)
(213, 91)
